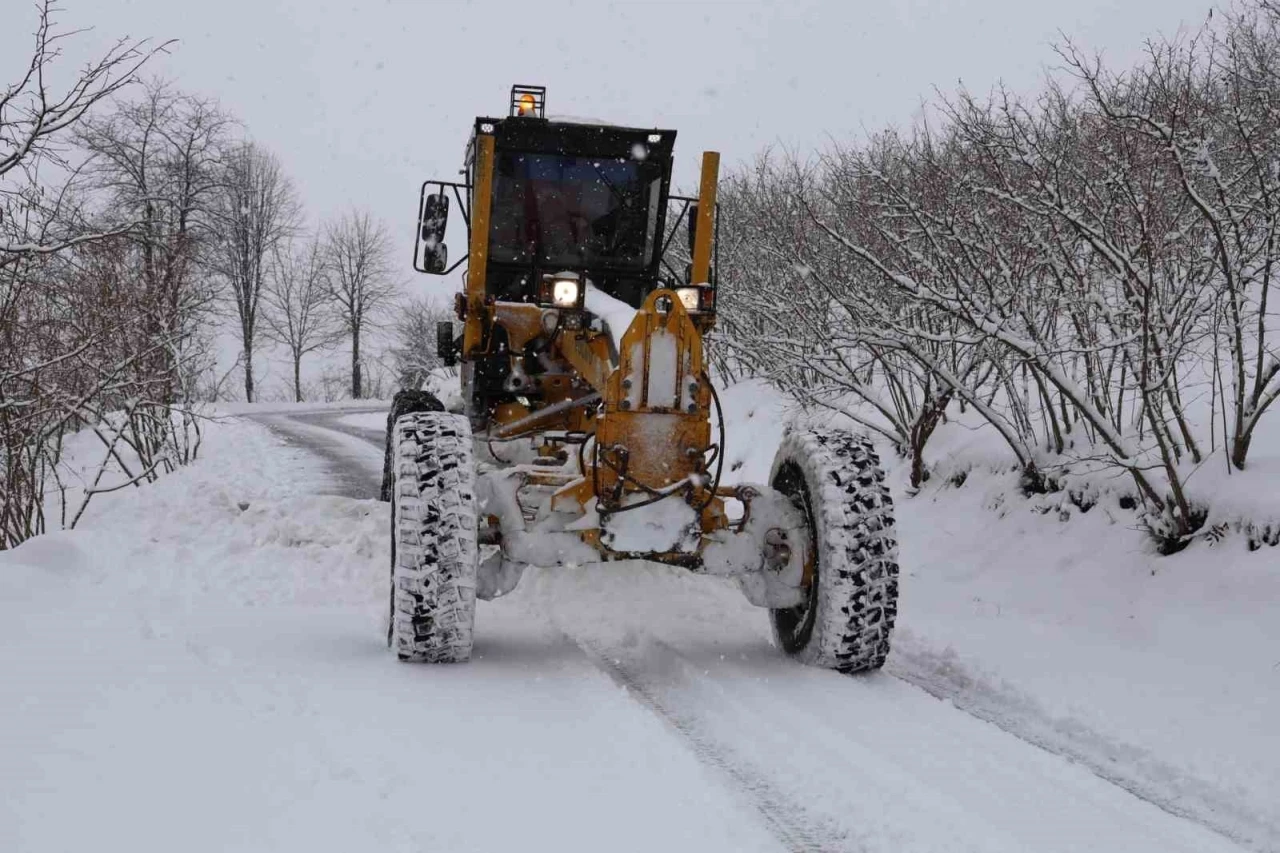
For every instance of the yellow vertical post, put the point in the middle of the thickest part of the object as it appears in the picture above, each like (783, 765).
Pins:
(478, 260)
(704, 231)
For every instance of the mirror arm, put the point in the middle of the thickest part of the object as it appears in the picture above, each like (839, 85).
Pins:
(675, 229)
(457, 264)
(462, 206)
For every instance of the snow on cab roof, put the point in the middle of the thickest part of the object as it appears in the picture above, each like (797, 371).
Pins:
(568, 119)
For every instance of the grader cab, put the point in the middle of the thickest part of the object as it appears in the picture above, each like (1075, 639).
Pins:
(586, 431)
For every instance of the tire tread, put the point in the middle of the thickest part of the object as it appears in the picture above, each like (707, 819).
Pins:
(858, 550)
(435, 553)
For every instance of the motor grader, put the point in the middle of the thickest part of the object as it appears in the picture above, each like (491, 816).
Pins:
(585, 431)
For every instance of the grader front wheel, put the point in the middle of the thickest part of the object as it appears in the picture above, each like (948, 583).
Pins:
(434, 552)
(409, 402)
(847, 618)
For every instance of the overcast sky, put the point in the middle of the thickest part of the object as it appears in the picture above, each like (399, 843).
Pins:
(362, 101)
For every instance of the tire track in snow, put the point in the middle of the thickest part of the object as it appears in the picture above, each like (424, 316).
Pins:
(747, 730)
(1126, 767)
(785, 819)
(334, 421)
(647, 681)
(1038, 732)
(351, 477)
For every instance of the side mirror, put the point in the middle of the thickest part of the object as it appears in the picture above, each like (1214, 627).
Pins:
(432, 222)
(445, 347)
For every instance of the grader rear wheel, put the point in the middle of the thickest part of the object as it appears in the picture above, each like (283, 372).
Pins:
(847, 619)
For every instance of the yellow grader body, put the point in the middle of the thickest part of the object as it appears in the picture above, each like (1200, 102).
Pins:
(586, 426)
(652, 430)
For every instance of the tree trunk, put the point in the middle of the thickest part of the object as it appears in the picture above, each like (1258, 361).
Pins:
(248, 375)
(1240, 449)
(917, 463)
(297, 377)
(355, 364)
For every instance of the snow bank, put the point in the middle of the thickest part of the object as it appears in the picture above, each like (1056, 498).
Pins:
(280, 407)
(223, 627)
(1158, 670)
(1062, 624)
(249, 515)
(202, 668)
(366, 420)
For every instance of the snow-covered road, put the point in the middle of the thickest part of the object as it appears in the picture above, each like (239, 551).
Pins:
(222, 684)
(352, 452)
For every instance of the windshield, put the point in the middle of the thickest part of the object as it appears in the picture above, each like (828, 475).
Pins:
(564, 210)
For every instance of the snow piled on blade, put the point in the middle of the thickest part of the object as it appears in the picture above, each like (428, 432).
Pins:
(616, 314)
(664, 525)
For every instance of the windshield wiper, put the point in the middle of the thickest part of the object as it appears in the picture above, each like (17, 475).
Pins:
(624, 202)
(608, 183)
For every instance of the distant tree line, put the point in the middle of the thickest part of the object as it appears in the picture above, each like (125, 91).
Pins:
(137, 220)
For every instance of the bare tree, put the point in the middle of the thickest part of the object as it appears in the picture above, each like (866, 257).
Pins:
(298, 309)
(36, 120)
(414, 354)
(108, 338)
(257, 209)
(157, 158)
(1207, 109)
(797, 312)
(61, 358)
(358, 259)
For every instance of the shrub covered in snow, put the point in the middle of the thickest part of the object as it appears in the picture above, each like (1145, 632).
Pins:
(1085, 275)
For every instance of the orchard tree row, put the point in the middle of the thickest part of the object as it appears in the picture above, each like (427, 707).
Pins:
(1087, 272)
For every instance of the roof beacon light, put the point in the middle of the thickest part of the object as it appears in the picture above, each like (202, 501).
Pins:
(528, 101)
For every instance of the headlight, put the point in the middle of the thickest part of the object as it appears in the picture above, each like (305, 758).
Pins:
(564, 293)
(688, 297)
